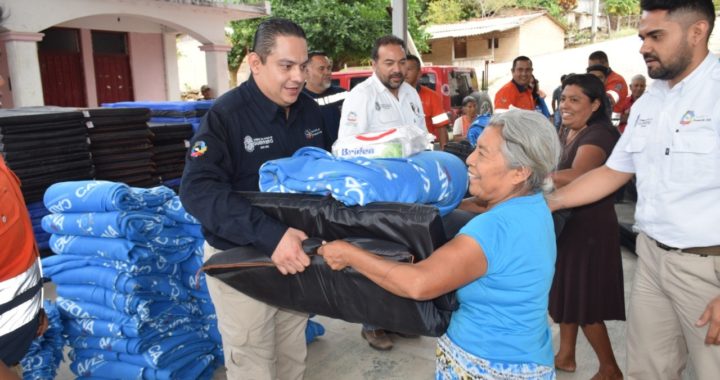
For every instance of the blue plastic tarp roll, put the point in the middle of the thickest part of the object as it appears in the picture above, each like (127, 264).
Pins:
(434, 178)
(135, 226)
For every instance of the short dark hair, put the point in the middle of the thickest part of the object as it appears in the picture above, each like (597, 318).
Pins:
(593, 88)
(413, 58)
(704, 8)
(268, 31)
(601, 68)
(520, 58)
(386, 40)
(316, 53)
(599, 56)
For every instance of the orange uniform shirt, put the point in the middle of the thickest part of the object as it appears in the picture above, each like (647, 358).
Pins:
(616, 84)
(510, 95)
(17, 242)
(432, 107)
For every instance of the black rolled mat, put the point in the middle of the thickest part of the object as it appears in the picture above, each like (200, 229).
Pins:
(40, 135)
(16, 146)
(168, 148)
(97, 113)
(39, 170)
(116, 127)
(48, 160)
(19, 118)
(97, 136)
(418, 229)
(120, 143)
(164, 138)
(47, 151)
(124, 164)
(121, 149)
(171, 128)
(112, 158)
(127, 172)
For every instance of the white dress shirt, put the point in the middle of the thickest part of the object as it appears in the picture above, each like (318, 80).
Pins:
(371, 107)
(672, 144)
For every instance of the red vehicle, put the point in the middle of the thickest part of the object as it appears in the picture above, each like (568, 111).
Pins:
(450, 82)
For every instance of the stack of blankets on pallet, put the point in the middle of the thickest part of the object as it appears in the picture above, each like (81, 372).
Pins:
(121, 146)
(171, 112)
(170, 143)
(44, 145)
(45, 353)
(128, 304)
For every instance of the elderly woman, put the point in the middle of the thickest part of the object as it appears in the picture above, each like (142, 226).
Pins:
(501, 262)
(588, 285)
(462, 123)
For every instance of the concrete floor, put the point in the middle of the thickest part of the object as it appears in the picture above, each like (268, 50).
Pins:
(343, 354)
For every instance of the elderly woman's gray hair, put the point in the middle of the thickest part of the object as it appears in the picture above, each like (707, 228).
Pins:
(530, 142)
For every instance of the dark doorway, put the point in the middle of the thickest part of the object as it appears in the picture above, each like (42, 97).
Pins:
(112, 67)
(61, 68)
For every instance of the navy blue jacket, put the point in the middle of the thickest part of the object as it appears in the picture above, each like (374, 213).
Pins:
(242, 130)
(330, 111)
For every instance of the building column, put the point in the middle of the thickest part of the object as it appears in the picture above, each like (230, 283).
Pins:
(172, 78)
(24, 67)
(217, 67)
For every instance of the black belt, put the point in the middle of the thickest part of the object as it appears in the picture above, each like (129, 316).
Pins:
(702, 251)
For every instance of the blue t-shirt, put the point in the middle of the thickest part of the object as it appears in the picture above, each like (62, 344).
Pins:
(503, 315)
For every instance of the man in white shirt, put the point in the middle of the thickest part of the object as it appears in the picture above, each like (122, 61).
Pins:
(381, 102)
(672, 145)
(384, 100)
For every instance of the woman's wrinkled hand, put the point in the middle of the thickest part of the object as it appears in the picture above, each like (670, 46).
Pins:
(336, 254)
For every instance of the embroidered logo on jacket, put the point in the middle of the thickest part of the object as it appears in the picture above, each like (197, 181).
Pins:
(198, 149)
(687, 118)
(310, 133)
(258, 142)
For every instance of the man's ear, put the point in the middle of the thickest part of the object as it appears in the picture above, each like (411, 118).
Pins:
(254, 62)
(698, 32)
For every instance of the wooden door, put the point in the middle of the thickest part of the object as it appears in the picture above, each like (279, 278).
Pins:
(61, 68)
(113, 78)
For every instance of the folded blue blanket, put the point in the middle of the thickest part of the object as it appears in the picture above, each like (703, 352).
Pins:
(154, 196)
(145, 304)
(90, 196)
(109, 278)
(175, 211)
(99, 327)
(45, 352)
(135, 226)
(58, 263)
(434, 178)
(119, 249)
(99, 367)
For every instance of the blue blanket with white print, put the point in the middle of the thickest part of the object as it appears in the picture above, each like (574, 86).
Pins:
(45, 353)
(135, 226)
(141, 303)
(434, 178)
(58, 263)
(154, 196)
(102, 367)
(90, 196)
(122, 282)
(175, 211)
(119, 249)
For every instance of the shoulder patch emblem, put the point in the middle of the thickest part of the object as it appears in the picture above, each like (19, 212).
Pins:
(198, 149)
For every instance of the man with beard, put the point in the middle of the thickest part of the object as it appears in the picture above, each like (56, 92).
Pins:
(318, 84)
(517, 92)
(381, 102)
(384, 100)
(672, 144)
(263, 119)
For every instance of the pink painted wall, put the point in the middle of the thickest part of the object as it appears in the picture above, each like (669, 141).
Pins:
(147, 66)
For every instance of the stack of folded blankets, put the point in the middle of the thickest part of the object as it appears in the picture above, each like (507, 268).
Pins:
(191, 277)
(44, 145)
(118, 271)
(171, 112)
(121, 145)
(170, 143)
(45, 353)
(37, 211)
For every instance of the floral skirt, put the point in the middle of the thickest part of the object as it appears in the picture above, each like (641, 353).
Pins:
(454, 363)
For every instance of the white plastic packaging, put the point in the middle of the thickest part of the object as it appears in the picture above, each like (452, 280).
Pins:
(397, 142)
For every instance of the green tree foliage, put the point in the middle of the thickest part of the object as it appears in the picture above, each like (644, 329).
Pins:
(551, 6)
(344, 29)
(622, 7)
(444, 11)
